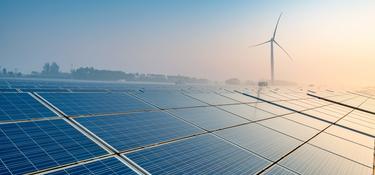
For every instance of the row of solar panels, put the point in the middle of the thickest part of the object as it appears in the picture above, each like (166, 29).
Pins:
(41, 85)
(173, 132)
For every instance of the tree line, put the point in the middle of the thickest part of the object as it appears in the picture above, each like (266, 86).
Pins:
(52, 70)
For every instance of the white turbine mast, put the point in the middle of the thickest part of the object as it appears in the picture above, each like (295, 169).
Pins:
(272, 41)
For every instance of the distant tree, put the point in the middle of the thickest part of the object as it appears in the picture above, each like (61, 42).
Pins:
(4, 71)
(54, 68)
(46, 69)
(51, 69)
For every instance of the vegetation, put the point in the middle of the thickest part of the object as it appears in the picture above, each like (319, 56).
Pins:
(52, 70)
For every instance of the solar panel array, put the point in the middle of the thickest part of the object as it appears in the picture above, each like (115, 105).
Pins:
(77, 127)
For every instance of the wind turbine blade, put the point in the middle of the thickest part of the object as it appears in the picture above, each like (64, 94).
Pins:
(260, 43)
(283, 50)
(277, 24)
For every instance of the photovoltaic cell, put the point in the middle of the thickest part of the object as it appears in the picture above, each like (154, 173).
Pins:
(21, 106)
(7, 90)
(76, 104)
(272, 108)
(345, 148)
(205, 154)
(169, 99)
(209, 118)
(279, 171)
(212, 98)
(248, 112)
(129, 131)
(44, 90)
(308, 121)
(32, 146)
(290, 128)
(352, 136)
(105, 166)
(311, 160)
(238, 97)
(261, 140)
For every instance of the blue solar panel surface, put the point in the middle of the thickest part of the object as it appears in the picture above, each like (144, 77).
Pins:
(75, 104)
(32, 146)
(138, 129)
(205, 154)
(209, 118)
(192, 130)
(105, 166)
(169, 99)
(21, 106)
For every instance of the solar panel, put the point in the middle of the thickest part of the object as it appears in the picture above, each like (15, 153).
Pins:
(212, 98)
(32, 146)
(311, 160)
(360, 121)
(248, 112)
(290, 127)
(238, 97)
(258, 139)
(351, 136)
(169, 99)
(308, 121)
(272, 108)
(279, 171)
(44, 90)
(4, 89)
(369, 105)
(21, 106)
(292, 105)
(104, 166)
(205, 154)
(209, 118)
(344, 148)
(192, 129)
(130, 131)
(76, 104)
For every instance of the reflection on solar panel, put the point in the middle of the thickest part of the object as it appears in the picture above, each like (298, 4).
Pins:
(21, 106)
(169, 99)
(279, 171)
(211, 98)
(312, 160)
(105, 166)
(200, 155)
(248, 112)
(119, 128)
(130, 131)
(291, 128)
(258, 139)
(75, 104)
(31, 146)
(209, 118)
(238, 97)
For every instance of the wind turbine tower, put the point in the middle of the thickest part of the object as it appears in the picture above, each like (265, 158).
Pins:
(272, 41)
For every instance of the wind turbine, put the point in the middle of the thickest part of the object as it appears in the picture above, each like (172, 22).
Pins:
(272, 41)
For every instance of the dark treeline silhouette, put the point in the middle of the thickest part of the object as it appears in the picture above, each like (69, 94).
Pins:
(89, 73)
(4, 72)
(52, 70)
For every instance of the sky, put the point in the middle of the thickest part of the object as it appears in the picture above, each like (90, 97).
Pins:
(332, 42)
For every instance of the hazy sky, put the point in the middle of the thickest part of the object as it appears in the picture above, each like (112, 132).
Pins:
(332, 42)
